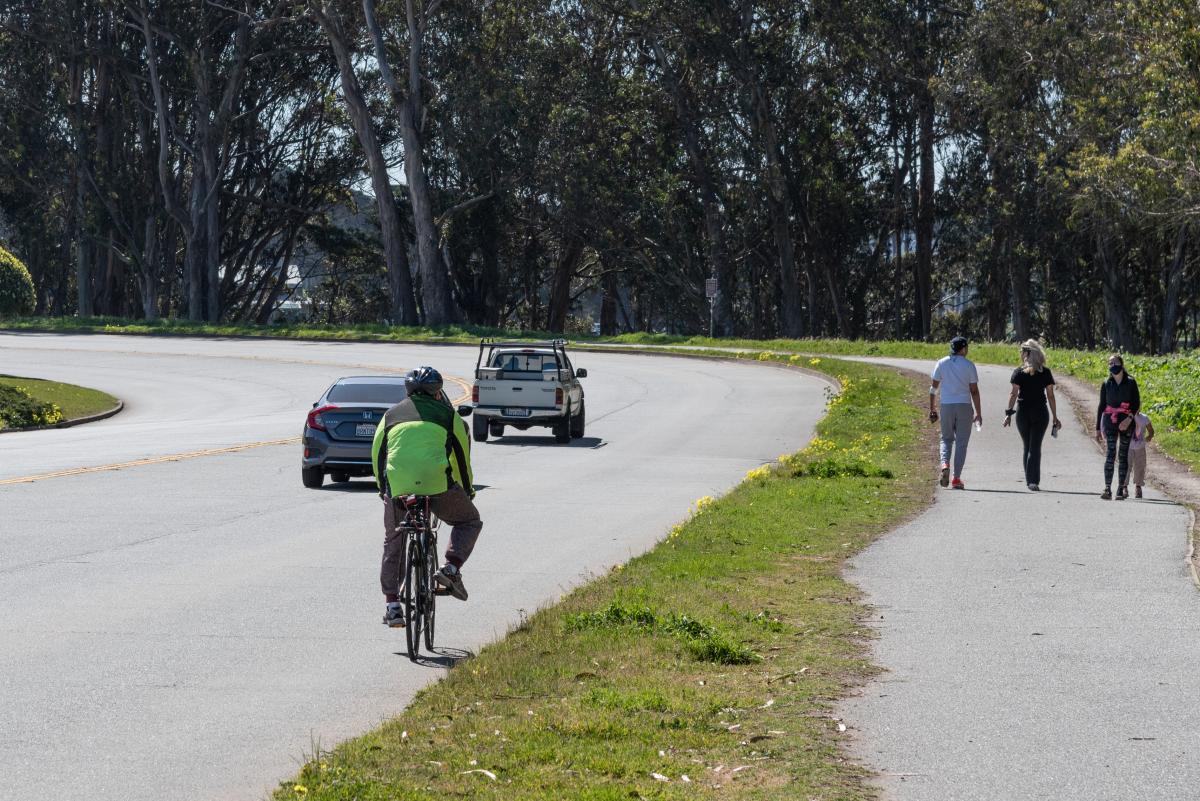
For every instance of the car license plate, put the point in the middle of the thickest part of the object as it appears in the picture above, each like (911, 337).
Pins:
(516, 412)
(364, 430)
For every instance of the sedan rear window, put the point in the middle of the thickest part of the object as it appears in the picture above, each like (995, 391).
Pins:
(367, 393)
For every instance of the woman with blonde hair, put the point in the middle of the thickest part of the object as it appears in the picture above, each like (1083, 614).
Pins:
(1032, 387)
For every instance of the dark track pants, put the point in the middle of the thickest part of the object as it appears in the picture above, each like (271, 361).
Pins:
(1032, 421)
(1118, 446)
(454, 507)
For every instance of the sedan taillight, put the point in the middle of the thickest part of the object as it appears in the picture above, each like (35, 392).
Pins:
(314, 418)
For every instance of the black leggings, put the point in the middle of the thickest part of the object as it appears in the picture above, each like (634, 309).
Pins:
(1032, 421)
(1118, 443)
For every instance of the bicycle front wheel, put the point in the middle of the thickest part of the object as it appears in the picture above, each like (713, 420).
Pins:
(411, 596)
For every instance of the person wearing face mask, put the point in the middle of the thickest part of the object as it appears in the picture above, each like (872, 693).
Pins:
(1120, 401)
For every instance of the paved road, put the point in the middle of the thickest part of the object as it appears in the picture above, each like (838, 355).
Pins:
(189, 629)
(1036, 646)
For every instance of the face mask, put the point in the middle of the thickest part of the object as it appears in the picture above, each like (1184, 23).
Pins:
(1115, 369)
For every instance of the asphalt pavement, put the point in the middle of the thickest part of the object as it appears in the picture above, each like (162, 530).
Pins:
(1035, 645)
(184, 621)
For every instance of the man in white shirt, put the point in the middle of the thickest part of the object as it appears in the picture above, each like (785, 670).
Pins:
(958, 381)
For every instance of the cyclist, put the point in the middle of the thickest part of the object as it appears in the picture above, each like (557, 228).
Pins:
(422, 447)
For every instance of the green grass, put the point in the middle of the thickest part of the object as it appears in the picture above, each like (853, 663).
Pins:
(718, 655)
(72, 401)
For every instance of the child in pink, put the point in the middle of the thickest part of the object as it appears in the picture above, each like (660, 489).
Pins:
(1143, 433)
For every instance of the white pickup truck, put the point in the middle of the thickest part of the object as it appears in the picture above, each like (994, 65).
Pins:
(524, 384)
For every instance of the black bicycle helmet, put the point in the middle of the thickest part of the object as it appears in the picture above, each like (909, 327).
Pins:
(423, 379)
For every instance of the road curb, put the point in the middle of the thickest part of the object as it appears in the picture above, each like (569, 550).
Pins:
(75, 421)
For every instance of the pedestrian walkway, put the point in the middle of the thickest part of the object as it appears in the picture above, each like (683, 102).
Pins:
(1035, 645)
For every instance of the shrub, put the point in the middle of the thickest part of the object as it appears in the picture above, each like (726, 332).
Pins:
(19, 409)
(16, 286)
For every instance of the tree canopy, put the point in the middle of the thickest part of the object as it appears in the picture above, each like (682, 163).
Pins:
(862, 168)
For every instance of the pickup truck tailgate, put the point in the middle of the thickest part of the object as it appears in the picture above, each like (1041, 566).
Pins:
(518, 394)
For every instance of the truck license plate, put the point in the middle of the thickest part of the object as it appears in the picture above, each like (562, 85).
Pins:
(516, 412)
(364, 430)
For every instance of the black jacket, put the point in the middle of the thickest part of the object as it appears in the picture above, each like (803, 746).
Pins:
(1114, 394)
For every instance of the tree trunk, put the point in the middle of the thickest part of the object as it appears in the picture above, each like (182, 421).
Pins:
(212, 234)
(435, 283)
(193, 252)
(1022, 294)
(608, 305)
(779, 205)
(148, 272)
(1174, 285)
(925, 211)
(404, 307)
(714, 218)
(1116, 299)
(560, 286)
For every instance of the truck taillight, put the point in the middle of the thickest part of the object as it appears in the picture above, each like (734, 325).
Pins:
(558, 397)
(314, 418)
(475, 394)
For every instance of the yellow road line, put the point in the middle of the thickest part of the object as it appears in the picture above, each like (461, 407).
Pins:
(176, 457)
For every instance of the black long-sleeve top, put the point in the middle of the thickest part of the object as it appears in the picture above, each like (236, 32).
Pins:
(1114, 394)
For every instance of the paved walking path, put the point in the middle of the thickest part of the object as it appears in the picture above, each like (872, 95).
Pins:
(1036, 646)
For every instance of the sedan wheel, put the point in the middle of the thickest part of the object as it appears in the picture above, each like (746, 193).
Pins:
(313, 477)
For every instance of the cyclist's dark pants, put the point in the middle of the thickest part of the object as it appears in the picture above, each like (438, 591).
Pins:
(1118, 444)
(1032, 420)
(453, 506)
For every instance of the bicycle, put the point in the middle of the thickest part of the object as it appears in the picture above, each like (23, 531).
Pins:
(419, 590)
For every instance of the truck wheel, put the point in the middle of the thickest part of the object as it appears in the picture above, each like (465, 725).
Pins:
(562, 430)
(479, 428)
(313, 477)
(577, 423)
(496, 430)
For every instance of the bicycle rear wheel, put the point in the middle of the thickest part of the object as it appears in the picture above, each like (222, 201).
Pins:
(411, 596)
(431, 567)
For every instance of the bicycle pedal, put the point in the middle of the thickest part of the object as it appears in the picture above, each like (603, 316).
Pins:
(438, 589)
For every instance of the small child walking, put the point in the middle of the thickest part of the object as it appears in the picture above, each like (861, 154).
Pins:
(1143, 433)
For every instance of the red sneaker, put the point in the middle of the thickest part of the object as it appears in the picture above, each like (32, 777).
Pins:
(957, 484)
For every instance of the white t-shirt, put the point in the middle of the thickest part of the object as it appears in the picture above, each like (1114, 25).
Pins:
(1140, 421)
(956, 374)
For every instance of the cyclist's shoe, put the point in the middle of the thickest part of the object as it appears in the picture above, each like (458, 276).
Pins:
(393, 616)
(450, 577)
(945, 477)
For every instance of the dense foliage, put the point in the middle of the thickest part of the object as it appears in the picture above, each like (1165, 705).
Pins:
(861, 168)
(19, 409)
(16, 286)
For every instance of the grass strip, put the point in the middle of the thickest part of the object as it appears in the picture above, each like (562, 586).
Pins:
(717, 656)
(28, 402)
